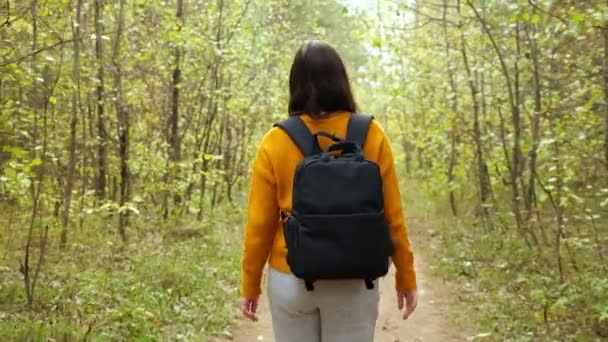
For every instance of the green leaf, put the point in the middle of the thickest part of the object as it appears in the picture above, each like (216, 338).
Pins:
(36, 162)
(538, 295)
(377, 43)
(535, 19)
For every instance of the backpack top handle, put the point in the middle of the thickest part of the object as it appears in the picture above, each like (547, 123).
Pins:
(328, 135)
(298, 132)
(345, 147)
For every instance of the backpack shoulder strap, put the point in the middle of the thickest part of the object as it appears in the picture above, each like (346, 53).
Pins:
(358, 126)
(299, 133)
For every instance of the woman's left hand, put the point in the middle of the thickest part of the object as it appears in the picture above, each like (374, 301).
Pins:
(249, 307)
(409, 299)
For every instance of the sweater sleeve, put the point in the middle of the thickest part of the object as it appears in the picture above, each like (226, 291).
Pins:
(403, 257)
(262, 217)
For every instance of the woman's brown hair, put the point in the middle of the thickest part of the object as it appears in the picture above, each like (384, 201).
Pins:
(318, 82)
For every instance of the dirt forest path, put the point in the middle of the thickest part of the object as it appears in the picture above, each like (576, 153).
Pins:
(431, 321)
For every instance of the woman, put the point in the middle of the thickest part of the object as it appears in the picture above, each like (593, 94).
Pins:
(343, 310)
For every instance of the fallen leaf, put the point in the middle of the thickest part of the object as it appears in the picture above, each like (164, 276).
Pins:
(478, 336)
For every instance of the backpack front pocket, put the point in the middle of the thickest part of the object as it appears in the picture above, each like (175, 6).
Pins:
(338, 246)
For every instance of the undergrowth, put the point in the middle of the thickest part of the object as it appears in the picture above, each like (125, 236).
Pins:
(509, 290)
(173, 281)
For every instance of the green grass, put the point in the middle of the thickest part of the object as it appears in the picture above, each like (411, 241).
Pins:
(177, 281)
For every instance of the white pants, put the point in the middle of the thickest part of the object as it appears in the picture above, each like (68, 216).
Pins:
(336, 311)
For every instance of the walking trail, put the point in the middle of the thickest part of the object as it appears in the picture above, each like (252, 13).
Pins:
(431, 321)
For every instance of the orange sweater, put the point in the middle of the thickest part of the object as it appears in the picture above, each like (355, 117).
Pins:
(271, 188)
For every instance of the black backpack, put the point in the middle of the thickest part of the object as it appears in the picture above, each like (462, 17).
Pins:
(337, 228)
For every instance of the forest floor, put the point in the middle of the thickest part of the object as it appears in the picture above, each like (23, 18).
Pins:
(433, 320)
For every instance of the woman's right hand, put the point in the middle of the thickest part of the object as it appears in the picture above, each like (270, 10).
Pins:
(410, 299)
(249, 307)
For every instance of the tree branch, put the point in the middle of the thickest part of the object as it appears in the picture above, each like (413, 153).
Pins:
(531, 2)
(6, 62)
(503, 64)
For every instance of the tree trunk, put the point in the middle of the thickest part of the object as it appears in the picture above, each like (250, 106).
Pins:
(483, 178)
(85, 166)
(67, 198)
(559, 208)
(213, 110)
(219, 151)
(453, 134)
(202, 190)
(34, 101)
(516, 122)
(198, 144)
(174, 138)
(30, 278)
(605, 29)
(405, 143)
(530, 197)
(123, 128)
(100, 184)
